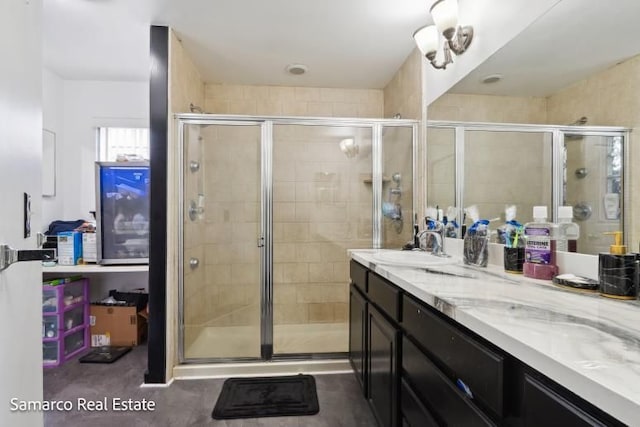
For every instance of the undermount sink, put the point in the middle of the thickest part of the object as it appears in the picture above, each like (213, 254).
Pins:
(413, 259)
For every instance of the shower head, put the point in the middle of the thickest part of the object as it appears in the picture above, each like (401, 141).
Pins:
(195, 109)
(580, 122)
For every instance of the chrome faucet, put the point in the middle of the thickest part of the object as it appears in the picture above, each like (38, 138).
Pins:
(439, 234)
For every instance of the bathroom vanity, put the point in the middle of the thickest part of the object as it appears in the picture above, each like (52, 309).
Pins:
(456, 345)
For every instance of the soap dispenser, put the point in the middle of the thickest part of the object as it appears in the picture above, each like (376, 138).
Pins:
(617, 271)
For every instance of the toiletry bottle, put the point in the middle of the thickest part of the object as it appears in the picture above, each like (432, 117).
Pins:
(568, 231)
(540, 246)
(617, 271)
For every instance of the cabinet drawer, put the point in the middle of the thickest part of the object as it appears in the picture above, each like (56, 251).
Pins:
(452, 407)
(358, 275)
(459, 355)
(384, 295)
(543, 406)
(414, 414)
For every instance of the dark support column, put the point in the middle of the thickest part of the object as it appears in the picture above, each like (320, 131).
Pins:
(159, 112)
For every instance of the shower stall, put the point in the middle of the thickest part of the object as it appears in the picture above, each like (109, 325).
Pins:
(270, 206)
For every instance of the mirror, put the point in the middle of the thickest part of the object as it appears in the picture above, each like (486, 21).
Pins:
(501, 165)
(548, 79)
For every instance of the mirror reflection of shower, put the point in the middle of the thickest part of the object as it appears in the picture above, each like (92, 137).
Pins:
(392, 208)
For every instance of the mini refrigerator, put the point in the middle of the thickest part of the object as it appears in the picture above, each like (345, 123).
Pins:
(122, 212)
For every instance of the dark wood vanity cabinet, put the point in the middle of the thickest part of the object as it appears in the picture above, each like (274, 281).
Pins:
(358, 334)
(420, 368)
(382, 356)
(358, 322)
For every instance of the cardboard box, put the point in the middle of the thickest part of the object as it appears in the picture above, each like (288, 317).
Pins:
(89, 247)
(69, 248)
(116, 325)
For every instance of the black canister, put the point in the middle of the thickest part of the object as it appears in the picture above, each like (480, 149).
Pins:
(513, 260)
(618, 275)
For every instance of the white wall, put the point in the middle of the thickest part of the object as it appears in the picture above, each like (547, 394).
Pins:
(52, 120)
(87, 105)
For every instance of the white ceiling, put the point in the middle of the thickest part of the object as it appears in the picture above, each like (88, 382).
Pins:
(345, 43)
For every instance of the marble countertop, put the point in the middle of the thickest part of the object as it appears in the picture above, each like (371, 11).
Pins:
(585, 342)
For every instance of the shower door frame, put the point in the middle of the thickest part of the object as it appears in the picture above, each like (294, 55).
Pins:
(558, 156)
(265, 239)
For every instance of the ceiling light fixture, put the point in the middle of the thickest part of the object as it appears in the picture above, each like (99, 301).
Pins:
(297, 69)
(457, 38)
(491, 78)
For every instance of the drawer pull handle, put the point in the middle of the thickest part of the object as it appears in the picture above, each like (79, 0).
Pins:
(418, 311)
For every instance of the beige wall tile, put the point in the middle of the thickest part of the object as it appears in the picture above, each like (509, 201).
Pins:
(340, 312)
(296, 232)
(320, 272)
(307, 94)
(290, 314)
(284, 293)
(295, 272)
(309, 252)
(321, 313)
(320, 109)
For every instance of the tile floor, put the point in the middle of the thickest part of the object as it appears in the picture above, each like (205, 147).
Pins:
(184, 403)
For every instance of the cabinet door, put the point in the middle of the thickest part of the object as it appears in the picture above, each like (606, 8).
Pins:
(358, 335)
(383, 368)
(543, 406)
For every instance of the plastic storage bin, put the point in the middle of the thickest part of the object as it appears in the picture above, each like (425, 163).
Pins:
(65, 321)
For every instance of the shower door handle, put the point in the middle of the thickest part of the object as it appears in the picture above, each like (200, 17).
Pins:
(261, 242)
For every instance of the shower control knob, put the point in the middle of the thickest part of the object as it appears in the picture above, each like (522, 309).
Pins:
(194, 262)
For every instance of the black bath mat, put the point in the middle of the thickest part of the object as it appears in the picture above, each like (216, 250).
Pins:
(267, 397)
(105, 354)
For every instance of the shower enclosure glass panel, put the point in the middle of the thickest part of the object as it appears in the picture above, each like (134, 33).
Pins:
(593, 186)
(221, 271)
(397, 186)
(507, 168)
(322, 206)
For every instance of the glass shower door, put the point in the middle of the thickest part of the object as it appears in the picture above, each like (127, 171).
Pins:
(222, 260)
(322, 198)
(593, 186)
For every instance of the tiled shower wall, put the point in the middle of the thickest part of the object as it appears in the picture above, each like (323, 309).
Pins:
(185, 87)
(293, 101)
(322, 206)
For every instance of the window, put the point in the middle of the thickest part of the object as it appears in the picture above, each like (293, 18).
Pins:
(116, 144)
